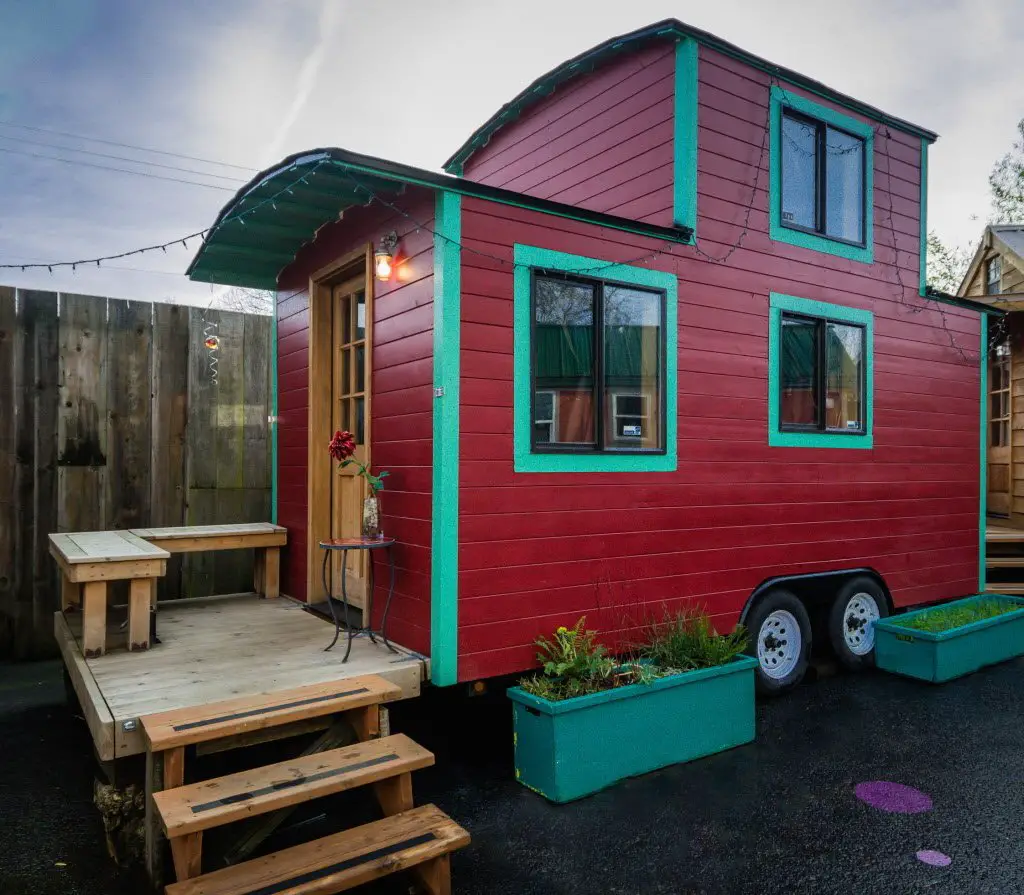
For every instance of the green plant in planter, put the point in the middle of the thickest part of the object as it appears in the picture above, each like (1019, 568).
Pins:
(688, 640)
(945, 618)
(575, 664)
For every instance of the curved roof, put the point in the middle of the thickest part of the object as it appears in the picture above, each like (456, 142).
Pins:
(260, 230)
(669, 29)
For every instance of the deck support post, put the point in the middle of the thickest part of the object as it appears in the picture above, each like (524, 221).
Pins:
(139, 605)
(94, 618)
(154, 832)
(435, 876)
(187, 852)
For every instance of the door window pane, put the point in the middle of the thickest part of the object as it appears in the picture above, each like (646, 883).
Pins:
(844, 185)
(844, 352)
(360, 429)
(632, 367)
(360, 315)
(799, 173)
(564, 358)
(798, 372)
(360, 368)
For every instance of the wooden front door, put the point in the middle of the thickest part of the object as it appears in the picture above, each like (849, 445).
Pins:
(1000, 478)
(350, 386)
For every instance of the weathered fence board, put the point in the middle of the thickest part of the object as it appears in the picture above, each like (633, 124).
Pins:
(116, 414)
(168, 486)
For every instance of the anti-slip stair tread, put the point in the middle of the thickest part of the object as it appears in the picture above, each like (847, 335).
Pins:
(212, 803)
(340, 861)
(215, 720)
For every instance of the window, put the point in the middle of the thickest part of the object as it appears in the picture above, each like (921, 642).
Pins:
(820, 369)
(821, 178)
(595, 358)
(999, 395)
(598, 365)
(993, 275)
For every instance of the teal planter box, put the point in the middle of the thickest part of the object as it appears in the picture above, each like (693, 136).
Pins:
(569, 749)
(953, 653)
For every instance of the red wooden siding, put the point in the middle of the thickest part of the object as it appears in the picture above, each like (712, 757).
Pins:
(540, 550)
(603, 141)
(401, 409)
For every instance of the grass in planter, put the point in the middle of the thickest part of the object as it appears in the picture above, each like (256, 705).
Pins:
(687, 641)
(575, 664)
(945, 618)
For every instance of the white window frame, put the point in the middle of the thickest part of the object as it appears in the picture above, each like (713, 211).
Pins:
(616, 416)
(552, 423)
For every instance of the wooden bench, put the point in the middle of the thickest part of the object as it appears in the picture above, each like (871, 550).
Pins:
(87, 561)
(421, 839)
(263, 537)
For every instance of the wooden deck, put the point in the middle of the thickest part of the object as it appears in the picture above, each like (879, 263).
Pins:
(210, 649)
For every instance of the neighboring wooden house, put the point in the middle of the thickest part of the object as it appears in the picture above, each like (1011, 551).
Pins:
(996, 278)
(659, 338)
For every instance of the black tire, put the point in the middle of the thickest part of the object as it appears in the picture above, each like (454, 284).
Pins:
(769, 679)
(849, 621)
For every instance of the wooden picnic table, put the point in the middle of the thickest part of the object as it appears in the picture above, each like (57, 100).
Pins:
(87, 561)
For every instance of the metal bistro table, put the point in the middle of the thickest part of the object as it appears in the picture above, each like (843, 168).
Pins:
(345, 545)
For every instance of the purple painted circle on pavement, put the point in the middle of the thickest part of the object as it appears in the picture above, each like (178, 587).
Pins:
(934, 858)
(893, 797)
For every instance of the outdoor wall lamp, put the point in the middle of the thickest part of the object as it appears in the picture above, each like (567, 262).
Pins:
(384, 255)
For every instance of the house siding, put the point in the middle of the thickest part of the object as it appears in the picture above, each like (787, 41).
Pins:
(401, 410)
(537, 550)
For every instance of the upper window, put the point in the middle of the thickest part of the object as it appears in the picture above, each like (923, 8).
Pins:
(821, 178)
(993, 275)
(595, 365)
(598, 365)
(820, 374)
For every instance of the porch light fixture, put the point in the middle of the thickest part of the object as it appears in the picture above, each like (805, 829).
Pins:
(384, 255)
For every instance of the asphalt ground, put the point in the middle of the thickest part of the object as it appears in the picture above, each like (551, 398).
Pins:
(778, 816)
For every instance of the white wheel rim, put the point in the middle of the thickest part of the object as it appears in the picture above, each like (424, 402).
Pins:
(779, 644)
(859, 619)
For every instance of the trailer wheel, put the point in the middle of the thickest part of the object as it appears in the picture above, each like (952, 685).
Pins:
(851, 622)
(780, 639)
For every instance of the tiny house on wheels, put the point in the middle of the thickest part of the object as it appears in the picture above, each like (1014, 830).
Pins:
(659, 337)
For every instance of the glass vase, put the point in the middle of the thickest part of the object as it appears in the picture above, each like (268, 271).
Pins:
(371, 517)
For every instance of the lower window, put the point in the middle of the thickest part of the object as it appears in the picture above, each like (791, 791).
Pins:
(820, 374)
(598, 366)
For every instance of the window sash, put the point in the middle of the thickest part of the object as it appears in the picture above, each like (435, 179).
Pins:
(602, 444)
(993, 276)
(820, 377)
(820, 227)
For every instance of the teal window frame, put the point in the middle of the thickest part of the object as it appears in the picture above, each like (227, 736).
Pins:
(684, 146)
(530, 258)
(779, 304)
(780, 101)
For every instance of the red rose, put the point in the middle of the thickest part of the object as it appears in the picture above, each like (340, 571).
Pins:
(342, 446)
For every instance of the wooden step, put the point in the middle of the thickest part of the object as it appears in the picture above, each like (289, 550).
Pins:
(421, 839)
(216, 720)
(1011, 590)
(211, 803)
(1004, 562)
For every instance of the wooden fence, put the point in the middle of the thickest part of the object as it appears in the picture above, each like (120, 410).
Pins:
(119, 414)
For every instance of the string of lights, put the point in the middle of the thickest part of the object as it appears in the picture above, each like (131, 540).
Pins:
(163, 247)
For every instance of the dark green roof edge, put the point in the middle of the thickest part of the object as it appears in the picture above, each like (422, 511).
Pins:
(669, 28)
(356, 164)
(966, 303)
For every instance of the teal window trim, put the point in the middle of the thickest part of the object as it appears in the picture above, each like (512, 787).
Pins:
(684, 176)
(524, 460)
(444, 498)
(841, 314)
(780, 100)
(983, 461)
(923, 212)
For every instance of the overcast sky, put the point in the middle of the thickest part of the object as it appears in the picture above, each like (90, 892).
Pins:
(249, 81)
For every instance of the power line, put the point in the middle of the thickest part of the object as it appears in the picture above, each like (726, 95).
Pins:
(191, 158)
(68, 161)
(120, 158)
